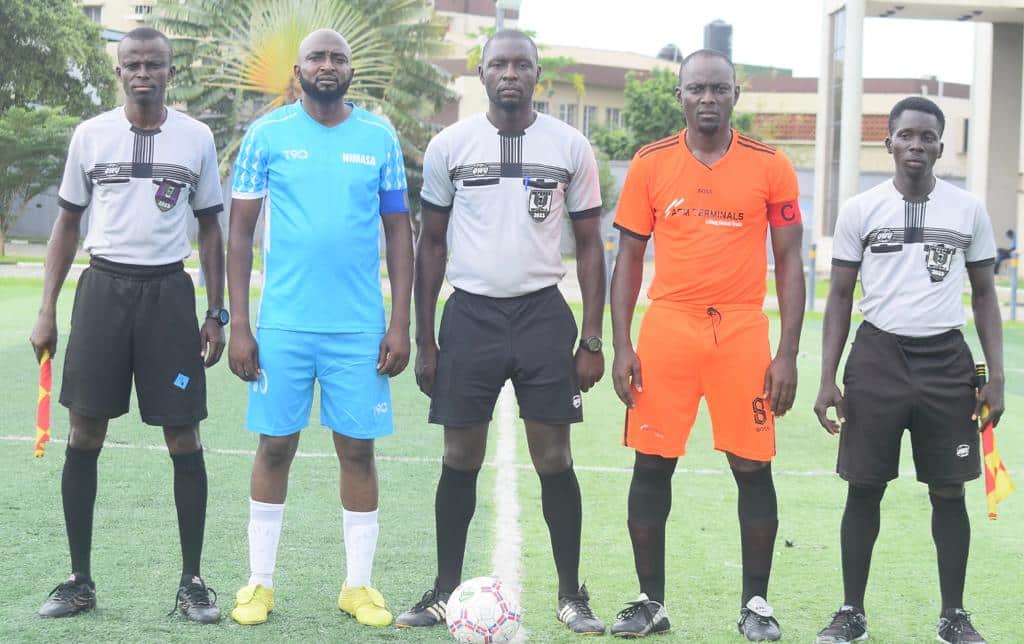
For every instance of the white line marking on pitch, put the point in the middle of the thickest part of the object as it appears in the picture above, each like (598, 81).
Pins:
(604, 469)
(508, 536)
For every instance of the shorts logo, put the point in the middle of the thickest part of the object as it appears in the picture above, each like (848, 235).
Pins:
(261, 384)
(937, 259)
(760, 413)
(380, 408)
(577, 401)
(181, 382)
(540, 204)
(962, 451)
(167, 193)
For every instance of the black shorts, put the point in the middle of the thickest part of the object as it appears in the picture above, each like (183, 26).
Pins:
(135, 321)
(925, 385)
(485, 341)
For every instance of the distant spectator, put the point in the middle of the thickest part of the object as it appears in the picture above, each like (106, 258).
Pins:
(1004, 253)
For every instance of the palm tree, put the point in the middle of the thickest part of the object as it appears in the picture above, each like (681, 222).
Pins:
(235, 58)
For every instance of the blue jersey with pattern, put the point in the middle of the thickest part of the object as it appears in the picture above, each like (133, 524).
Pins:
(326, 190)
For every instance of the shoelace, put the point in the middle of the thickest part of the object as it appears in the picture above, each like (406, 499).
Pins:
(429, 598)
(960, 622)
(196, 595)
(629, 612)
(64, 590)
(581, 607)
(844, 620)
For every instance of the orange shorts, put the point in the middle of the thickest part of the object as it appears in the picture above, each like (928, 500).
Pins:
(719, 353)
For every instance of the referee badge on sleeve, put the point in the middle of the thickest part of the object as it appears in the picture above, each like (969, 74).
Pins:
(167, 193)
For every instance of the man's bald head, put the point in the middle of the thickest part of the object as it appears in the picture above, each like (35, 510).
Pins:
(326, 40)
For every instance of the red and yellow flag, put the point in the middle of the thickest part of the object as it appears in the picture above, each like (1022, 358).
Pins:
(43, 404)
(997, 480)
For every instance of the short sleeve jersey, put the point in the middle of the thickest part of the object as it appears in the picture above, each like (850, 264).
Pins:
(141, 185)
(913, 256)
(709, 223)
(326, 190)
(507, 194)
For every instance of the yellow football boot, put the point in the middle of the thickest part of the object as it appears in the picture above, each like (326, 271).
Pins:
(253, 604)
(366, 604)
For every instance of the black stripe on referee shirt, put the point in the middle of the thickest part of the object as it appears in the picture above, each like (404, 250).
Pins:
(913, 221)
(511, 155)
(142, 153)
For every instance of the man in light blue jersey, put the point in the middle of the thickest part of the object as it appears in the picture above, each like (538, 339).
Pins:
(330, 174)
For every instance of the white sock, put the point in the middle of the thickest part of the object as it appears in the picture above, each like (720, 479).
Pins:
(361, 530)
(265, 521)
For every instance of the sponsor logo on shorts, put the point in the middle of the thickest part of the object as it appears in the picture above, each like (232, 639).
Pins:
(380, 408)
(647, 428)
(261, 384)
(181, 382)
(963, 450)
(760, 413)
(577, 401)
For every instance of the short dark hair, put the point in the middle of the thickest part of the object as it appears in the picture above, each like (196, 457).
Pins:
(148, 33)
(707, 53)
(509, 33)
(917, 104)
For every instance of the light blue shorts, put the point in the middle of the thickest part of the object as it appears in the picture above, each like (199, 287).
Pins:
(354, 400)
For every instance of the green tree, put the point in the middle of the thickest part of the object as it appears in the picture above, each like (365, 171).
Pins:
(33, 144)
(652, 112)
(53, 55)
(235, 59)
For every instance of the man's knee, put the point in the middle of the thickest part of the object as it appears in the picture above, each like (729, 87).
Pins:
(355, 454)
(951, 492)
(87, 433)
(740, 464)
(465, 447)
(182, 440)
(276, 451)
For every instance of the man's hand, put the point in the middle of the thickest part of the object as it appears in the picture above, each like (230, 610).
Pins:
(829, 396)
(589, 368)
(426, 366)
(780, 384)
(626, 375)
(244, 354)
(44, 336)
(991, 395)
(211, 342)
(394, 352)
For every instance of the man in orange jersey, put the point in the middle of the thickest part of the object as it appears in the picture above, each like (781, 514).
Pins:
(708, 195)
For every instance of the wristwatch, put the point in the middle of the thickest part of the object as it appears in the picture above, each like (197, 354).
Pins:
(592, 343)
(218, 315)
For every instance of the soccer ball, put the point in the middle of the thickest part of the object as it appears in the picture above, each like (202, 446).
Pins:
(482, 611)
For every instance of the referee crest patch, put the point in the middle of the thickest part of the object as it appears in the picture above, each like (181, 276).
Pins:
(540, 204)
(167, 194)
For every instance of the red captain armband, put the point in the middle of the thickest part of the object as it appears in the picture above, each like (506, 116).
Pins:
(785, 213)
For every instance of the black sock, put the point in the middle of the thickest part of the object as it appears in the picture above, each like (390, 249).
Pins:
(650, 500)
(858, 532)
(951, 530)
(190, 491)
(453, 510)
(563, 512)
(759, 521)
(78, 492)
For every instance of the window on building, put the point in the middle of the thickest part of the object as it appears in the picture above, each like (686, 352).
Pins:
(589, 116)
(94, 13)
(567, 112)
(542, 106)
(613, 117)
(142, 11)
(967, 136)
